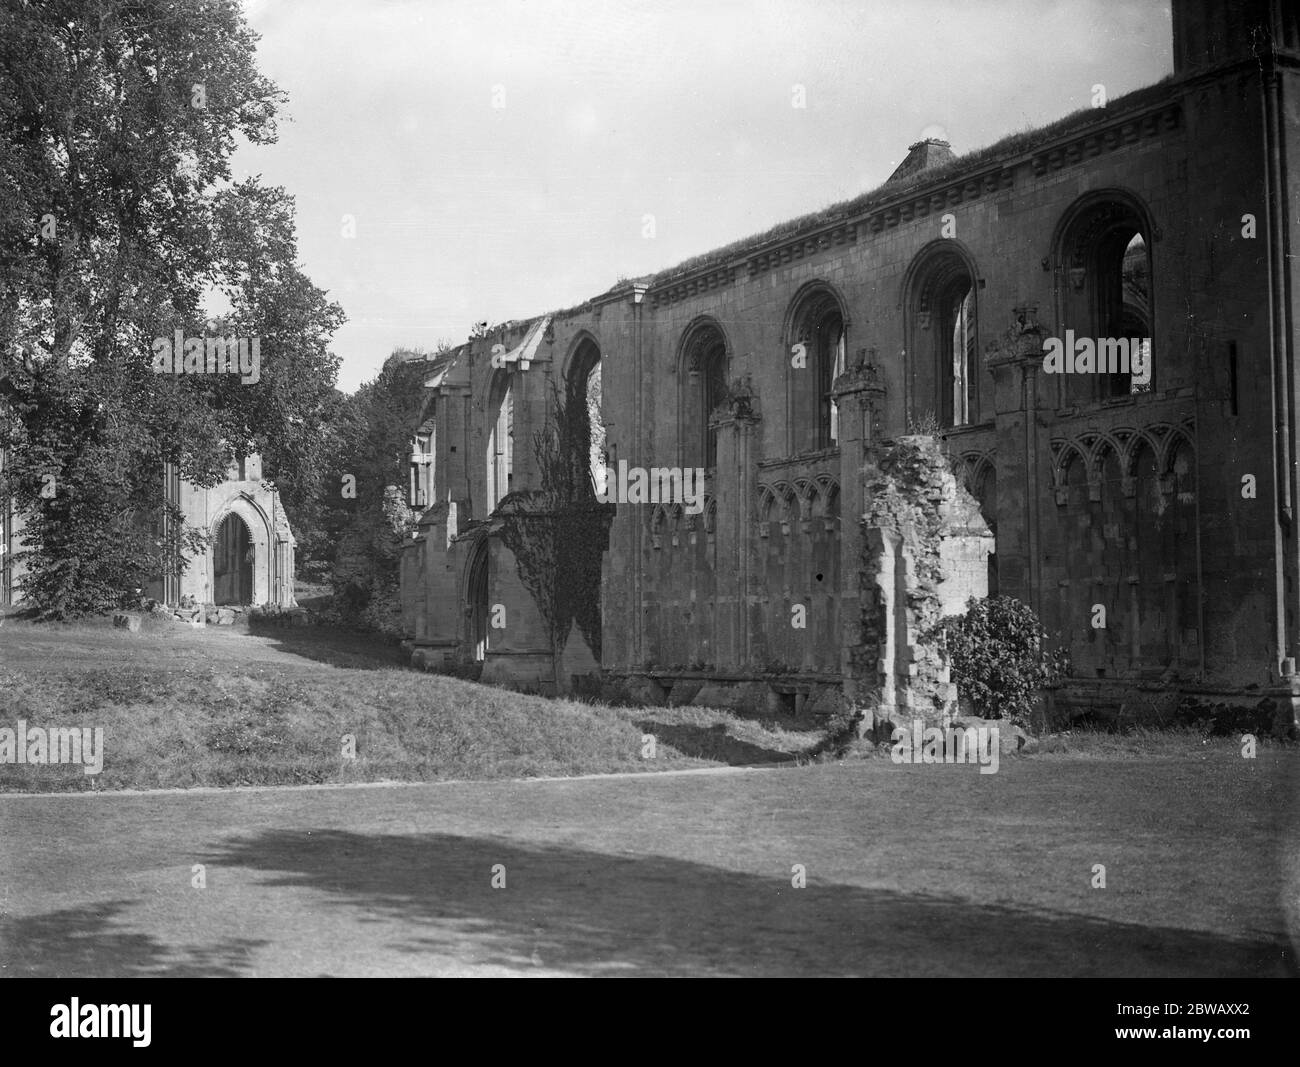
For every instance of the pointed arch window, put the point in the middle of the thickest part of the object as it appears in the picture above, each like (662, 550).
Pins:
(585, 436)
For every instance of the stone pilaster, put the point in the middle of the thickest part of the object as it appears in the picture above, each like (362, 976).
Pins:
(521, 650)
(859, 395)
(437, 563)
(1015, 360)
(736, 421)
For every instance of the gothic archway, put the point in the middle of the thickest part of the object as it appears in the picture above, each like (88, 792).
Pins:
(232, 562)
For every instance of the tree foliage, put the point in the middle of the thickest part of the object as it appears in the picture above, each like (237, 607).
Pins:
(371, 451)
(120, 223)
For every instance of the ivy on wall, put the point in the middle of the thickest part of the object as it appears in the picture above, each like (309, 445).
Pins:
(560, 532)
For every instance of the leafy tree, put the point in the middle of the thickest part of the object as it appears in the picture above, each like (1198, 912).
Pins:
(372, 450)
(118, 220)
(1001, 657)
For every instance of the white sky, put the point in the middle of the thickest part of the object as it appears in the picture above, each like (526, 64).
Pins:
(615, 110)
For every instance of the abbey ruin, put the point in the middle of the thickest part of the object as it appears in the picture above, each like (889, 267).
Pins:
(828, 377)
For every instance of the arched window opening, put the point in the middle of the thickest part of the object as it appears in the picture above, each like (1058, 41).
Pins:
(1120, 276)
(1107, 299)
(422, 466)
(960, 311)
(943, 337)
(1135, 316)
(704, 386)
(814, 417)
(584, 437)
(500, 448)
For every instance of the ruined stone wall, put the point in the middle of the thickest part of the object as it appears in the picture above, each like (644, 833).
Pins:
(924, 551)
(797, 578)
(680, 588)
(1133, 502)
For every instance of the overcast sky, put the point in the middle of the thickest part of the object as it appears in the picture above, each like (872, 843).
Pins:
(613, 111)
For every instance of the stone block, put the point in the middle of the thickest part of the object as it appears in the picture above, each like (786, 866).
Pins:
(427, 659)
(126, 621)
(747, 696)
(683, 691)
(774, 703)
(824, 700)
(646, 691)
(1011, 738)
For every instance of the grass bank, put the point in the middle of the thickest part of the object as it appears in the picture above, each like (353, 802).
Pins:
(181, 708)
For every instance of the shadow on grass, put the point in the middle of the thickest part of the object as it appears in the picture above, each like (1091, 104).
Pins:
(712, 743)
(590, 913)
(91, 942)
(338, 648)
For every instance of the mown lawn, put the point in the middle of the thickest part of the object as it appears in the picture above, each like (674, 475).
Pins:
(910, 871)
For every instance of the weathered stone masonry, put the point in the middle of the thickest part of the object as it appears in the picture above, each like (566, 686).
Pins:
(929, 299)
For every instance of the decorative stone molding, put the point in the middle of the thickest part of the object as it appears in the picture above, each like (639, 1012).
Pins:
(740, 405)
(1020, 343)
(1091, 446)
(692, 286)
(1095, 142)
(863, 376)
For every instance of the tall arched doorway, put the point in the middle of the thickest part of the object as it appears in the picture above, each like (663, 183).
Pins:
(232, 563)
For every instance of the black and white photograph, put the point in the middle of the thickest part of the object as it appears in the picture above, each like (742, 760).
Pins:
(650, 488)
